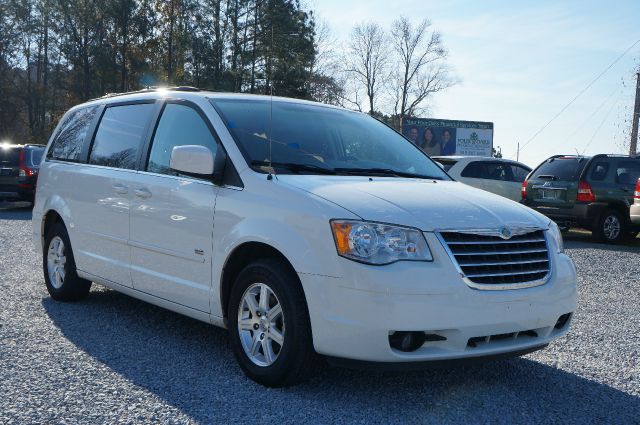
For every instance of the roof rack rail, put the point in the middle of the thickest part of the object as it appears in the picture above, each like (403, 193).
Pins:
(150, 89)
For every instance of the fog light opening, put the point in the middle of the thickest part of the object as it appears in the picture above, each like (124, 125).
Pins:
(406, 341)
(562, 321)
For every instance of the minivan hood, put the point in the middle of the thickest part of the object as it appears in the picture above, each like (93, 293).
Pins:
(426, 204)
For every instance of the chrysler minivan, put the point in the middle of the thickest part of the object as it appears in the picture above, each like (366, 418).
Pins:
(310, 232)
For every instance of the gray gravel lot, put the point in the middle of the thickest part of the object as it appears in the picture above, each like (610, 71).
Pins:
(113, 359)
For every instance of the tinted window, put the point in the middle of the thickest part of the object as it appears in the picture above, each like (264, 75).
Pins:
(35, 155)
(563, 168)
(446, 163)
(628, 172)
(319, 137)
(519, 173)
(119, 136)
(179, 125)
(69, 142)
(599, 171)
(475, 170)
(9, 156)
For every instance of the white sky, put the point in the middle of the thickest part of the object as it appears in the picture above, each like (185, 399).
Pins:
(520, 62)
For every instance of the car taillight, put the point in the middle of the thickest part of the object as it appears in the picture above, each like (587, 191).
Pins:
(585, 194)
(636, 194)
(523, 191)
(24, 170)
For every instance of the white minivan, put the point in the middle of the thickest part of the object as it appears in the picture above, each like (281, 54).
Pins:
(309, 231)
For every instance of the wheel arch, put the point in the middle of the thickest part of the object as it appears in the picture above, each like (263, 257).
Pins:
(239, 258)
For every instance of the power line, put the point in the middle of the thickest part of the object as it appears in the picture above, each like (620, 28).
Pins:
(593, 114)
(580, 94)
(602, 123)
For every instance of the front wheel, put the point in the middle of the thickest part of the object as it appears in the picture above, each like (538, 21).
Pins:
(59, 267)
(269, 326)
(610, 228)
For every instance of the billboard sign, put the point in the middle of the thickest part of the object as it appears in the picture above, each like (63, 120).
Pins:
(450, 137)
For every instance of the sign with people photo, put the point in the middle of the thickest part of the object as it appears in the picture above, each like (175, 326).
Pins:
(450, 137)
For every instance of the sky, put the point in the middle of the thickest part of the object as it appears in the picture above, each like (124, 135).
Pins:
(520, 62)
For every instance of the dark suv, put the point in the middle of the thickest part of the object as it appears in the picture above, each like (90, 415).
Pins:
(19, 166)
(589, 192)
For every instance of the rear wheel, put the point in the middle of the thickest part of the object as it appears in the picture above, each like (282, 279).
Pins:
(269, 326)
(59, 267)
(610, 227)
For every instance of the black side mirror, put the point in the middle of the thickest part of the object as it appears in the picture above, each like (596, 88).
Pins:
(219, 166)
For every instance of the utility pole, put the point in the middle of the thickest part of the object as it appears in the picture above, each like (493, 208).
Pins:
(633, 146)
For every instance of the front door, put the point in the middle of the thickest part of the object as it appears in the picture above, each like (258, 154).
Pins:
(172, 215)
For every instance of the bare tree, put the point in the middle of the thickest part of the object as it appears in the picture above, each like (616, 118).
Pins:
(421, 69)
(367, 59)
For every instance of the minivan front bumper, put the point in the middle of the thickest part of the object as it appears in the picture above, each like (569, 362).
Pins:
(353, 316)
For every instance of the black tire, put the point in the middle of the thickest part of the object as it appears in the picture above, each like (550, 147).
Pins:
(71, 287)
(603, 232)
(296, 360)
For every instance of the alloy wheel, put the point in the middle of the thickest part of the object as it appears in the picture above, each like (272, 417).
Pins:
(56, 261)
(611, 227)
(261, 324)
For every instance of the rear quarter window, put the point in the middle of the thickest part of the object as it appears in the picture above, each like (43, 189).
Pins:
(69, 142)
(35, 156)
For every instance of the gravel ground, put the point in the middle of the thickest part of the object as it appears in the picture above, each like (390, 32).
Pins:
(113, 359)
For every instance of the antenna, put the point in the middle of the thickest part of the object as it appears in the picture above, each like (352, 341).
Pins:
(271, 170)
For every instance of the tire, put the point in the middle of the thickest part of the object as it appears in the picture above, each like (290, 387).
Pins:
(280, 365)
(610, 227)
(59, 267)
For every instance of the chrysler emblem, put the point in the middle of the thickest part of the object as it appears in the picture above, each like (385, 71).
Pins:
(505, 233)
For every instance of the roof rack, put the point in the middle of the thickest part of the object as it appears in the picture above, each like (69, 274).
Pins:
(150, 89)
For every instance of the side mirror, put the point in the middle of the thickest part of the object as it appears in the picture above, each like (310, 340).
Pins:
(192, 159)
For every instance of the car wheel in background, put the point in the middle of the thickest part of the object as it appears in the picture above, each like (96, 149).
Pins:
(59, 267)
(269, 326)
(610, 228)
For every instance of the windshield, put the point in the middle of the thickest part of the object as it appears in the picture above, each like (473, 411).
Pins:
(562, 168)
(310, 139)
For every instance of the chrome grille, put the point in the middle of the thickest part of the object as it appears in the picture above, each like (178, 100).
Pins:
(491, 262)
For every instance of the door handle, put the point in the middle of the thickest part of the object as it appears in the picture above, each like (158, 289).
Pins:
(120, 188)
(142, 193)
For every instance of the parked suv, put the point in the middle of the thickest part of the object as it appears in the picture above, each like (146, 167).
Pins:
(306, 230)
(635, 208)
(590, 192)
(496, 175)
(19, 170)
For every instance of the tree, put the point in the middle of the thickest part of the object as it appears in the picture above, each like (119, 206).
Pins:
(421, 70)
(368, 60)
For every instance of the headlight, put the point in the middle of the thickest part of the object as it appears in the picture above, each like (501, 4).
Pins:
(556, 236)
(376, 243)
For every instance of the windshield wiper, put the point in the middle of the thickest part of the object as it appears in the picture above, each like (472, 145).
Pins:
(384, 172)
(295, 167)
